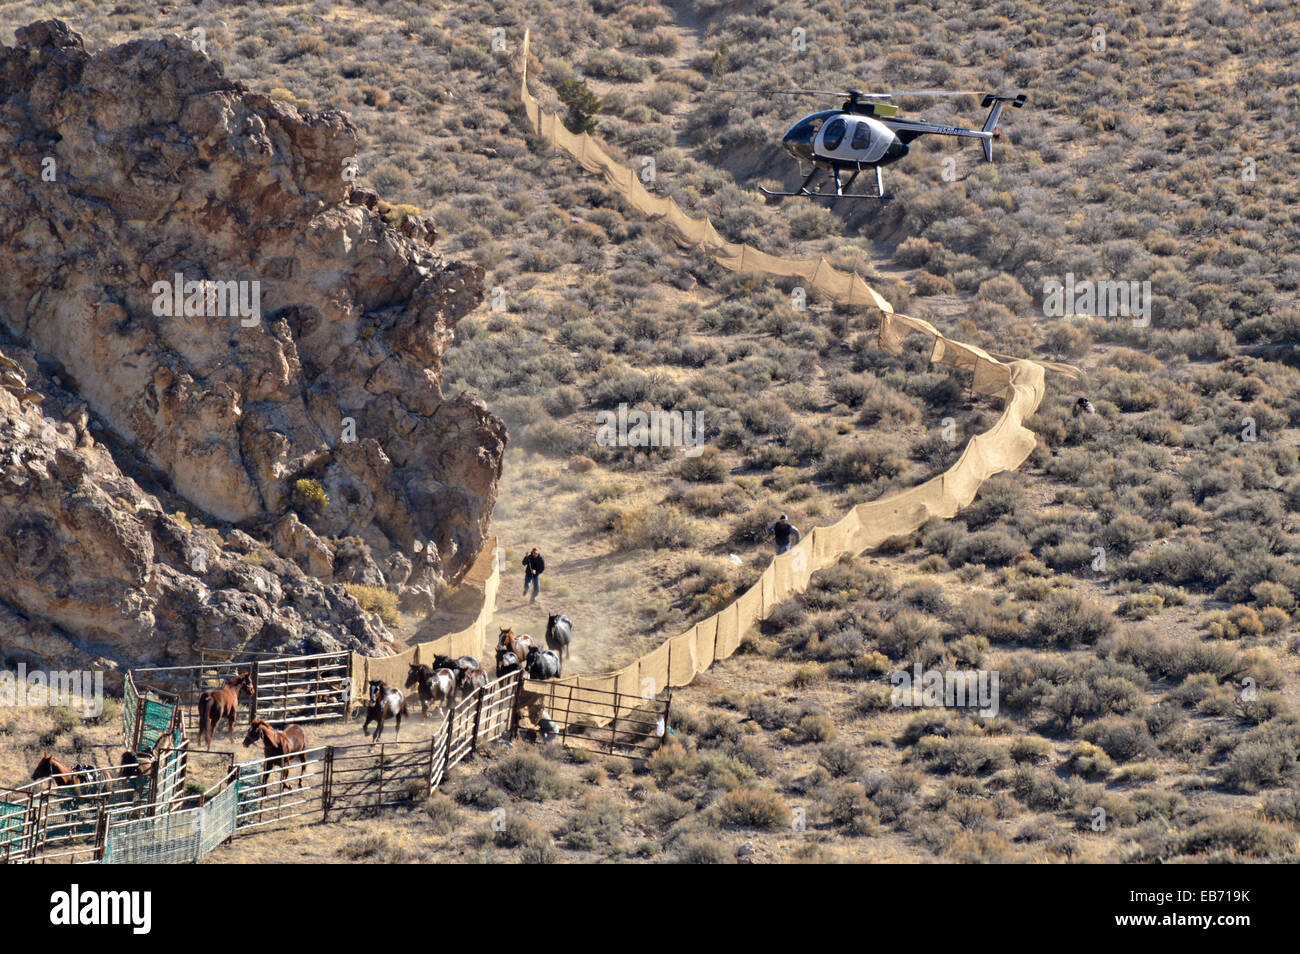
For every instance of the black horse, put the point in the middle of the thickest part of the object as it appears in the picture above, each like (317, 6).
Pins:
(559, 634)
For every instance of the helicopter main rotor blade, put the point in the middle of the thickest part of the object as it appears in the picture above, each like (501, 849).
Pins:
(921, 92)
(860, 95)
(787, 92)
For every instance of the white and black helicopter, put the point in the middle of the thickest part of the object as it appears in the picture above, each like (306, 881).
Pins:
(865, 133)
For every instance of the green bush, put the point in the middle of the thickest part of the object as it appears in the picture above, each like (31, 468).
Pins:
(309, 496)
(376, 599)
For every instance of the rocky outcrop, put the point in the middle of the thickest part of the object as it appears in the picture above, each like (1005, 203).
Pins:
(190, 265)
(95, 572)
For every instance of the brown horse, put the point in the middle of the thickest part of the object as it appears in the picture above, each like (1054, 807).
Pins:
(280, 748)
(218, 704)
(472, 679)
(519, 645)
(50, 767)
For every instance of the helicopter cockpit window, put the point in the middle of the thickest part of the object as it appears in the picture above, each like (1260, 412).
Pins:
(807, 129)
(862, 136)
(834, 134)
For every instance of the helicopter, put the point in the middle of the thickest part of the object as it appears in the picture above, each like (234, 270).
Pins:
(865, 133)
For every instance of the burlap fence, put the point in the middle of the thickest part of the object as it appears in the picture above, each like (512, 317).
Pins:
(485, 574)
(1003, 447)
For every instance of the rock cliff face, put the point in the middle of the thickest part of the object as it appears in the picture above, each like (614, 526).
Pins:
(212, 314)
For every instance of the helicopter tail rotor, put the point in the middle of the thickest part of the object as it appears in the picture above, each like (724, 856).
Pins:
(994, 105)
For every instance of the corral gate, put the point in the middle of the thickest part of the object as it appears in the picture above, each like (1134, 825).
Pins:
(285, 688)
(579, 717)
(133, 836)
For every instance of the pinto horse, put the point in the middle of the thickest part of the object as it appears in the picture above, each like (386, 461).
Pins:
(50, 767)
(385, 701)
(519, 645)
(279, 748)
(433, 684)
(218, 704)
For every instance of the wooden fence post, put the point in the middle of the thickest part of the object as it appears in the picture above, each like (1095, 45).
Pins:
(138, 728)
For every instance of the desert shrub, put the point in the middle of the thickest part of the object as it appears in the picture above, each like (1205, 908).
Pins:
(1235, 623)
(1031, 749)
(906, 633)
(926, 284)
(654, 528)
(888, 408)
(852, 389)
(1069, 556)
(875, 698)
(962, 756)
(754, 754)
(701, 850)
(810, 674)
(990, 547)
(753, 808)
(706, 467)
(846, 806)
(1121, 739)
(480, 793)
(526, 775)
(309, 496)
(1270, 594)
(377, 600)
(814, 728)
(1067, 619)
(1236, 835)
(596, 825)
(443, 817)
(861, 463)
(671, 762)
(553, 439)
(1283, 806)
(1258, 764)
(1191, 563)
(378, 847)
(982, 618)
(840, 759)
(1040, 789)
(1140, 606)
(516, 831)
(663, 811)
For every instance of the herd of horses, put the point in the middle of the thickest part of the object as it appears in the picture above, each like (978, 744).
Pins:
(435, 684)
(438, 683)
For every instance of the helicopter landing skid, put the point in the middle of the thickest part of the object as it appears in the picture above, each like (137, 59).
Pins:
(840, 188)
(824, 195)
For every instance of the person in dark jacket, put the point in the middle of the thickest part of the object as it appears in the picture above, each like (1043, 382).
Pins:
(782, 531)
(533, 567)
